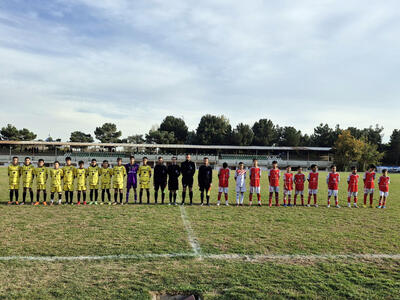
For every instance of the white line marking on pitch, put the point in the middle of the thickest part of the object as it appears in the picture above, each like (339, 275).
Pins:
(98, 257)
(191, 236)
(243, 257)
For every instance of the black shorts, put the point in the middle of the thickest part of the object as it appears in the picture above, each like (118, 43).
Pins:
(173, 184)
(187, 181)
(203, 187)
(160, 185)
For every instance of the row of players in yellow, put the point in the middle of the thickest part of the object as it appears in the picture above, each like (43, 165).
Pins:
(63, 179)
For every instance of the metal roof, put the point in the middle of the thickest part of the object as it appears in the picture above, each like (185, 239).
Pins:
(170, 146)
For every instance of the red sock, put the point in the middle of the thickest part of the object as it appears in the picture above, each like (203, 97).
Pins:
(250, 197)
(348, 199)
(226, 197)
(329, 200)
(276, 199)
(355, 199)
(259, 197)
(219, 196)
(371, 199)
(284, 199)
(336, 201)
(365, 199)
(315, 199)
(289, 199)
(302, 200)
(384, 201)
(294, 199)
(270, 199)
(309, 199)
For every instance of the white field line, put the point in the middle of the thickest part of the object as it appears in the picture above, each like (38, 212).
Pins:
(241, 257)
(191, 236)
(98, 257)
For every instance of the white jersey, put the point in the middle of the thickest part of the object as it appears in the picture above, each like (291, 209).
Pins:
(240, 177)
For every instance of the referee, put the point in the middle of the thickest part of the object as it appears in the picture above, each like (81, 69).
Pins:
(188, 168)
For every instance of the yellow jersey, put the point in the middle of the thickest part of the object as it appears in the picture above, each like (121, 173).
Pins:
(144, 173)
(105, 175)
(56, 175)
(14, 173)
(41, 174)
(69, 173)
(28, 172)
(119, 172)
(81, 176)
(93, 173)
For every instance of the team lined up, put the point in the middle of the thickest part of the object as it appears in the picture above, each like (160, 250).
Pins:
(295, 183)
(101, 178)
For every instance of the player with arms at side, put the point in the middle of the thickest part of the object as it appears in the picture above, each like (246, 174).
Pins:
(313, 185)
(41, 174)
(105, 178)
(188, 168)
(240, 178)
(333, 180)
(56, 176)
(69, 173)
(223, 176)
(119, 172)
(28, 173)
(174, 171)
(369, 185)
(132, 169)
(383, 182)
(93, 180)
(160, 179)
(352, 190)
(81, 174)
(205, 181)
(287, 186)
(14, 174)
(144, 175)
(299, 179)
(273, 177)
(255, 178)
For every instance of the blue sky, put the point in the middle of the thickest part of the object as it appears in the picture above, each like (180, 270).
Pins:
(69, 65)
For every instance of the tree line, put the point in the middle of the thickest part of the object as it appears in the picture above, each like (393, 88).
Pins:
(351, 145)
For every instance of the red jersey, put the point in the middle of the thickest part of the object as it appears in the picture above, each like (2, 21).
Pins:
(353, 183)
(384, 183)
(223, 176)
(313, 181)
(288, 181)
(333, 181)
(273, 176)
(255, 175)
(369, 180)
(299, 180)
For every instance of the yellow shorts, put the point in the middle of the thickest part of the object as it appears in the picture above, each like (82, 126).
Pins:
(93, 186)
(40, 187)
(56, 189)
(144, 184)
(106, 186)
(14, 186)
(68, 187)
(27, 184)
(119, 186)
(81, 187)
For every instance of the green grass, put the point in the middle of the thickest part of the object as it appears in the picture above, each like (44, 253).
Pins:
(134, 229)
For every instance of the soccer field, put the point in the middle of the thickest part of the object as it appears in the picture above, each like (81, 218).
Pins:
(135, 251)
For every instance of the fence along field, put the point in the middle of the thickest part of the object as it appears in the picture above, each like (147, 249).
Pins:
(260, 248)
